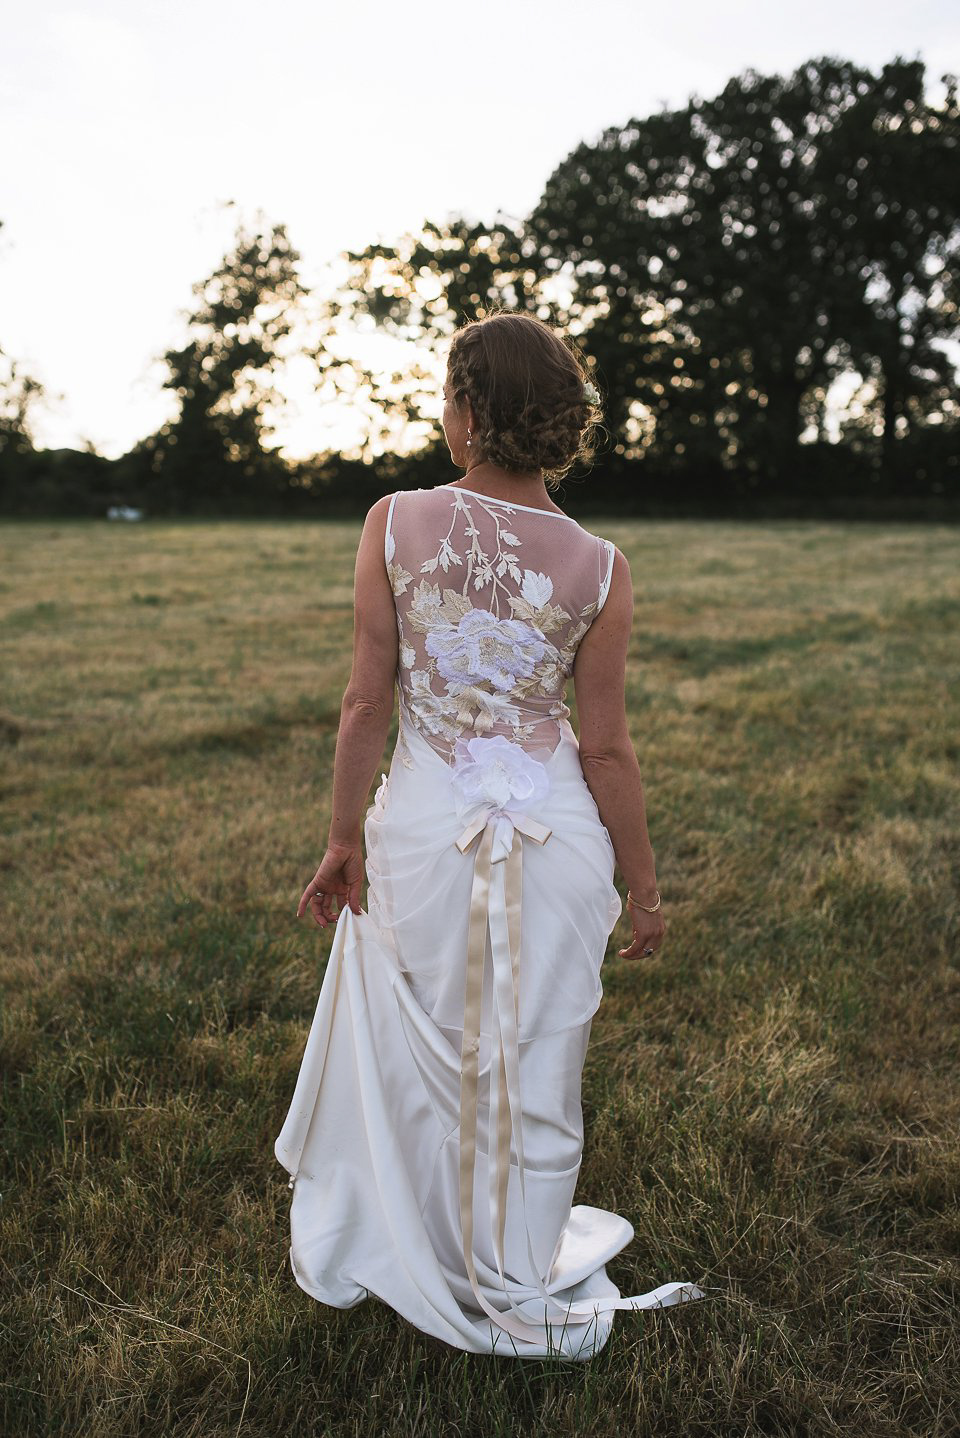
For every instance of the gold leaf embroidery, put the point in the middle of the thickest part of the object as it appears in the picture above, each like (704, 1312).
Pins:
(399, 578)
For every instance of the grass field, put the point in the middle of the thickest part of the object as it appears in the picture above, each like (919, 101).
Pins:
(774, 1102)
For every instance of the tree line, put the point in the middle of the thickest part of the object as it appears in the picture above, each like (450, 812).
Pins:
(723, 265)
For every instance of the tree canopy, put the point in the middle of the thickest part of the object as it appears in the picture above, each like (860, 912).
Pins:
(213, 452)
(726, 266)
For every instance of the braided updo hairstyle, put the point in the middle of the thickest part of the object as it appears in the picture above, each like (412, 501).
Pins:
(525, 383)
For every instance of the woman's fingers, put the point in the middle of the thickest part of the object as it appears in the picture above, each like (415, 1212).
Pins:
(320, 903)
(314, 901)
(635, 950)
(339, 878)
(323, 913)
(640, 942)
(647, 935)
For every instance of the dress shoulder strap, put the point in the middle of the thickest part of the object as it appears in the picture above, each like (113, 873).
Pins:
(388, 534)
(608, 549)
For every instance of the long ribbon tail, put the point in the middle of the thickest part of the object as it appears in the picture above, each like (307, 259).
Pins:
(496, 901)
(469, 1060)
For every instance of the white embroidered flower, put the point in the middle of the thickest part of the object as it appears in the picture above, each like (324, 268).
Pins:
(536, 588)
(391, 546)
(498, 774)
(408, 656)
(481, 646)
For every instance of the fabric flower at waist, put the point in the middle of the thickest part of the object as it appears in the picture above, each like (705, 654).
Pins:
(496, 776)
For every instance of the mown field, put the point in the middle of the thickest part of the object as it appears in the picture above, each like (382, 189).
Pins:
(773, 1102)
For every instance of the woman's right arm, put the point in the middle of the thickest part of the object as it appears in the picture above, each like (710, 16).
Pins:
(607, 755)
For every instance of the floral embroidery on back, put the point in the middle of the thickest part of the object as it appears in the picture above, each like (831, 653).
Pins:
(492, 602)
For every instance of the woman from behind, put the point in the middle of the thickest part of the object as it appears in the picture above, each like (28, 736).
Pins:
(435, 1134)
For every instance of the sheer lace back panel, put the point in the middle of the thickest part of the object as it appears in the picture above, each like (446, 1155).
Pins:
(493, 599)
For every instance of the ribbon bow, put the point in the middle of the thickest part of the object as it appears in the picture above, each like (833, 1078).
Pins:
(503, 778)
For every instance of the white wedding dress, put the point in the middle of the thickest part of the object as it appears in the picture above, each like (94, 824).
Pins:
(435, 1133)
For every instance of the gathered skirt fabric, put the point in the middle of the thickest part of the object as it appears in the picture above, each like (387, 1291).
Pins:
(372, 1136)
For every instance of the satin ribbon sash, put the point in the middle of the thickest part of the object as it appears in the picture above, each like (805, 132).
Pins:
(495, 902)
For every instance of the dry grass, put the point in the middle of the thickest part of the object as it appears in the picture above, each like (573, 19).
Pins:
(773, 1104)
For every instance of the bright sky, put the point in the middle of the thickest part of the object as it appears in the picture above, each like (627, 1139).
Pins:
(128, 125)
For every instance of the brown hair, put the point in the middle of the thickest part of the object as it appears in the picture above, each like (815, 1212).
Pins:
(526, 385)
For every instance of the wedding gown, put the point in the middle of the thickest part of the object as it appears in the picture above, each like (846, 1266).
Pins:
(435, 1132)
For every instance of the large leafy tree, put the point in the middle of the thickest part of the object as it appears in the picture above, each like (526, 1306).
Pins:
(896, 167)
(739, 253)
(724, 264)
(212, 454)
(419, 290)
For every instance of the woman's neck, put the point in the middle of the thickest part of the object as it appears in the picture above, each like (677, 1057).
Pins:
(499, 484)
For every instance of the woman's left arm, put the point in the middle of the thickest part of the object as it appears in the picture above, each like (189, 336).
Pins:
(365, 715)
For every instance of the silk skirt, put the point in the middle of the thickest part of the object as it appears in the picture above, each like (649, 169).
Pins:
(435, 1133)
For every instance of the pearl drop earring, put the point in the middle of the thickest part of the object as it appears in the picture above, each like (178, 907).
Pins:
(469, 440)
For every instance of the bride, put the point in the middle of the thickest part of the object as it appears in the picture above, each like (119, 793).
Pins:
(435, 1134)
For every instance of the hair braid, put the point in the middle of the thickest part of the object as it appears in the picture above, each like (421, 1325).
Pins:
(525, 383)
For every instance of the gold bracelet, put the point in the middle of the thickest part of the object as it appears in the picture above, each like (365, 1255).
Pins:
(653, 910)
